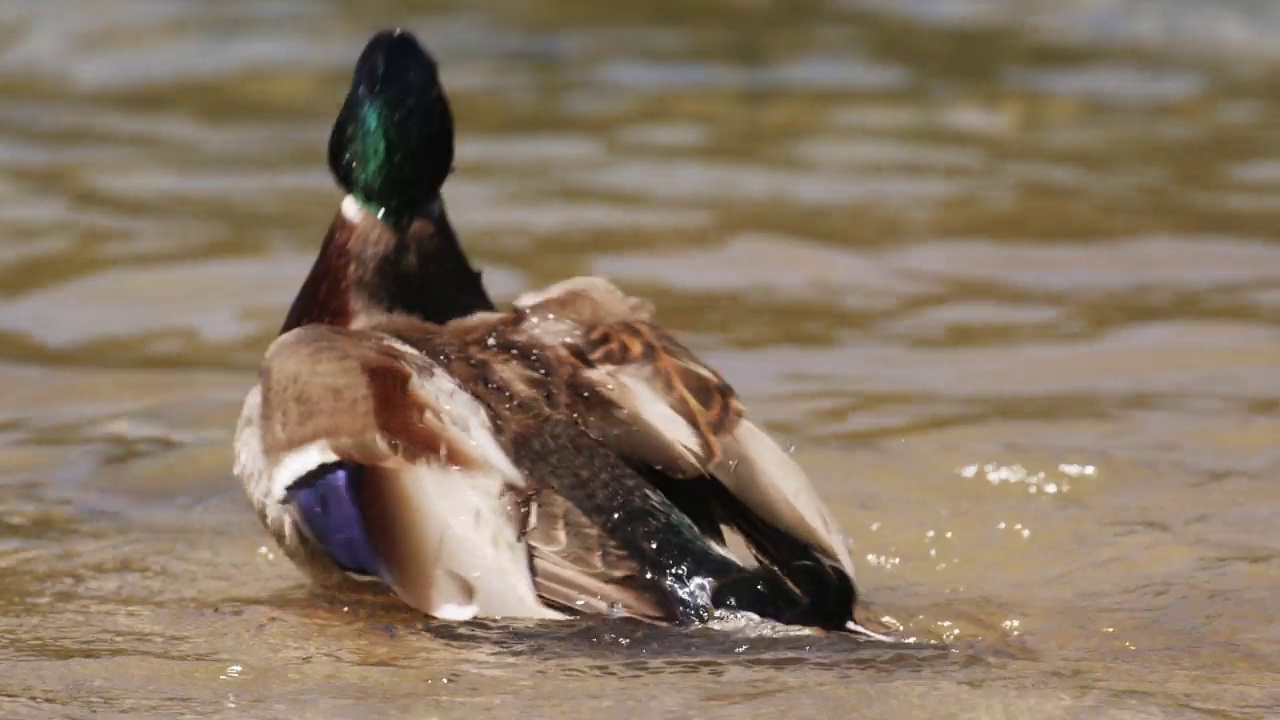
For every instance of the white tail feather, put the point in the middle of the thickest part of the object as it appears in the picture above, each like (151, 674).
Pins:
(764, 477)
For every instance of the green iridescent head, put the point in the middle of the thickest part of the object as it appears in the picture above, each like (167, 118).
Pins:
(392, 144)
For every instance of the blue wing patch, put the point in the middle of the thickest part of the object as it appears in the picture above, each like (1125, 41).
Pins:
(327, 501)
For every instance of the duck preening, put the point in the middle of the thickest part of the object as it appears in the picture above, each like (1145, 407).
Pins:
(565, 456)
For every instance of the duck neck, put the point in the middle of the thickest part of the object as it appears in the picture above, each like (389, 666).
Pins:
(368, 267)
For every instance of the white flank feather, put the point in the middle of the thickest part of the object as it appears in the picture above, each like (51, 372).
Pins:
(463, 555)
(298, 462)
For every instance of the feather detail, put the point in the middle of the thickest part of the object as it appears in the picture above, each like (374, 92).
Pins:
(673, 413)
(766, 479)
(578, 568)
(449, 542)
(601, 536)
(440, 500)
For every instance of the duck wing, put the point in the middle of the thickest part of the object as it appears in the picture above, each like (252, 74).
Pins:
(683, 426)
(602, 537)
(386, 466)
(578, 568)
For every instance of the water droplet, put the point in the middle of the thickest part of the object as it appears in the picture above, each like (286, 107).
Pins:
(892, 622)
(1074, 470)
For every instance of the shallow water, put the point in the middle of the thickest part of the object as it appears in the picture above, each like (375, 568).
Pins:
(1007, 275)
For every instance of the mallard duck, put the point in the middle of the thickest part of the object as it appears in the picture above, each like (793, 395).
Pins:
(566, 456)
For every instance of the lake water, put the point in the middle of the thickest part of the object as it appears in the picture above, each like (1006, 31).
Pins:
(1006, 275)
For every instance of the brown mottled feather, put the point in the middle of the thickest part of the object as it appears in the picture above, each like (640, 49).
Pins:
(696, 392)
(647, 374)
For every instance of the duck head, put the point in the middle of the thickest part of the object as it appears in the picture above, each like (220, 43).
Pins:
(390, 246)
(392, 145)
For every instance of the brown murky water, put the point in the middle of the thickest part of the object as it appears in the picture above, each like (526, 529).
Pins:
(1006, 274)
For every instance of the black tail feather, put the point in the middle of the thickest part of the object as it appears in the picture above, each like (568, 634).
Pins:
(675, 547)
(827, 594)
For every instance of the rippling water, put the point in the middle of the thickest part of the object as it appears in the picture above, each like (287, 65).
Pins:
(1007, 275)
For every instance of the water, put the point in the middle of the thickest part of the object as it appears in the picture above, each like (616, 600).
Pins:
(1007, 275)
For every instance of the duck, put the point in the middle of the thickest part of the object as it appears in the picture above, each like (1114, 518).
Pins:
(567, 456)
